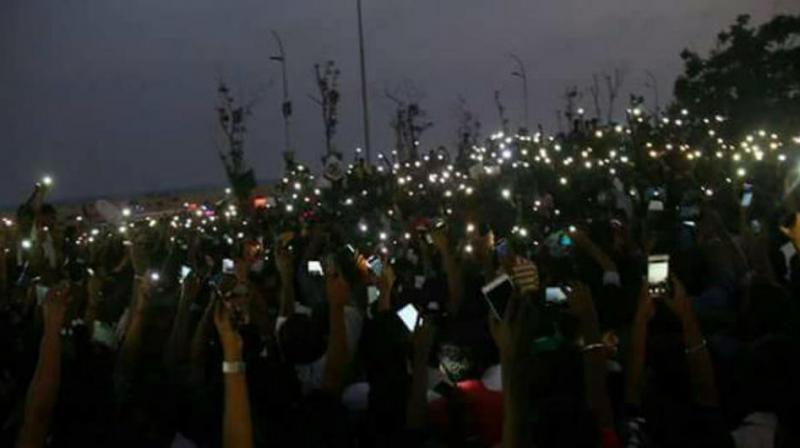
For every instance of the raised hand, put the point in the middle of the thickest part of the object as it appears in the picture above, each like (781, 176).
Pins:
(680, 303)
(509, 333)
(55, 306)
(440, 240)
(229, 337)
(645, 309)
(388, 277)
(423, 336)
(338, 290)
(581, 305)
(793, 232)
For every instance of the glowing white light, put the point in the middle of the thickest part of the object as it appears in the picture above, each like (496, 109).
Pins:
(47, 180)
(506, 193)
(26, 244)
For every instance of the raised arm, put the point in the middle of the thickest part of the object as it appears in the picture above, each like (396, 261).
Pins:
(417, 408)
(177, 350)
(237, 426)
(594, 357)
(286, 270)
(512, 336)
(43, 389)
(452, 268)
(132, 342)
(638, 349)
(337, 355)
(701, 368)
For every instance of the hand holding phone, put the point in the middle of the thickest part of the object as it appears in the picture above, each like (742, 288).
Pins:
(408, 315)
(375, 265)
(315, 268)
(658, 274)
(747, 196)
(497, 294)
(556, 295)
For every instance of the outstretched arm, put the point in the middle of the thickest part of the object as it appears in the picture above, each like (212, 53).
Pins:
(237, 427)
(701, 368)
(43, 389)
(594, 357)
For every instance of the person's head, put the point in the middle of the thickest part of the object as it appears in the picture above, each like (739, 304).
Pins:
(300, 340)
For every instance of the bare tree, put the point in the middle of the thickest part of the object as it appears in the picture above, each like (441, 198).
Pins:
(468, 132)
(328, 85)
(232, 119)
(613, 84)
(652, 83)
(501, 112)
(408, 123)
(594, 90)
(571, 96)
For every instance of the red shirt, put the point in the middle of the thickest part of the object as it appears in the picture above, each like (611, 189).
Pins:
(484, 408)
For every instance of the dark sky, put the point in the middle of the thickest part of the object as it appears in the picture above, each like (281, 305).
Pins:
(115, 97)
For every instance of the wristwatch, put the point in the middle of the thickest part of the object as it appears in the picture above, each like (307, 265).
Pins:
(233, 367)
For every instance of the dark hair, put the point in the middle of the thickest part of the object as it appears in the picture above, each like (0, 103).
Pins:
(300, 340)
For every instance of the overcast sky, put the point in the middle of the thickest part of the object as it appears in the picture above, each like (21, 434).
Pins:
(116, 97)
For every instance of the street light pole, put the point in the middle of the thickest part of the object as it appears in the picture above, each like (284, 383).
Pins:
(364, 102)
(522, 74)
(286, 107)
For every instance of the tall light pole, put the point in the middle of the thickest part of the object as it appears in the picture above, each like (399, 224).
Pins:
(286, 108)
(364, 102)
(520, 73)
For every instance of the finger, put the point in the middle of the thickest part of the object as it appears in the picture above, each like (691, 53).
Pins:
(786, 231)
(512, 309)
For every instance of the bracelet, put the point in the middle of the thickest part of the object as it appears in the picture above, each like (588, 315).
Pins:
(595, 346)
(233, 367)
(697, 347)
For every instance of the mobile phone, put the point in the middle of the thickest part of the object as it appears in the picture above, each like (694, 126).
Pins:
(658, 273)
(747, 195)
(315, 268)
(755, 227)
(41, 293)
(501, 249)
(375, 265)
(564, 240)
(497, 294)
(555, 295)
(372, 294)
(185, 271)
(227, 266)
(428, 238)
(408, 314)
(104, 334)
(655, 206)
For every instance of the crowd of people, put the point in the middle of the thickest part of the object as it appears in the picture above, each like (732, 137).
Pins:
(622, 286)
